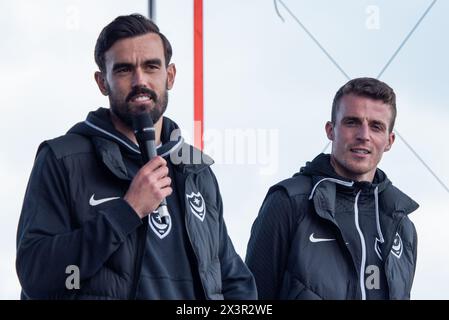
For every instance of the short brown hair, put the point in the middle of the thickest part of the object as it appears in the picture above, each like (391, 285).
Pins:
(129, 26)
(369, 88)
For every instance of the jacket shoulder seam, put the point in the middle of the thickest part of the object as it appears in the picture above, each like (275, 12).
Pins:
(295, 186)
(68, 145)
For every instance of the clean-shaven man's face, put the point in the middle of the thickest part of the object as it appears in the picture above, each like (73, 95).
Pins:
(360, 136)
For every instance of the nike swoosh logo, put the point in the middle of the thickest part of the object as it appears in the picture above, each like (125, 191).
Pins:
(94, 202)
(313, 239)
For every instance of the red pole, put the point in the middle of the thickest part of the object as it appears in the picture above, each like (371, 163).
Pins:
(198, 101)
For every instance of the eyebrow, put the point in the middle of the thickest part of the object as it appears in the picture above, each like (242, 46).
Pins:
(120, 65)
(351, 118)
(356, 119)
(155, 61)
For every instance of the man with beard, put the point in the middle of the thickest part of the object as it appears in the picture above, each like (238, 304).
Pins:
(339, 229)
(90, 228)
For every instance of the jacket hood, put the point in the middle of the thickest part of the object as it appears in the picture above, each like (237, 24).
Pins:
(108, 142)
(326, 181)
(321, 168)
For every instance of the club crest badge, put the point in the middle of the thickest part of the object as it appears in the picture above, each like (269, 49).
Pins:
(160, 228)
(397, 247)
(197, 205)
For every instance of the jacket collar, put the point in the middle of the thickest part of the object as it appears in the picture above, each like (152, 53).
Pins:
(111, 146)
(326, 184)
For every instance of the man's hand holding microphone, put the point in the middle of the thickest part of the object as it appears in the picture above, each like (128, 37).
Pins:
(151, 185)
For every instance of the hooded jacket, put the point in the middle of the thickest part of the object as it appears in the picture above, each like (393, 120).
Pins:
(298, 248)
(64, 226)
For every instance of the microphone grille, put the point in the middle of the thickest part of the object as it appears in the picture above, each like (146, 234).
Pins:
(142, 121)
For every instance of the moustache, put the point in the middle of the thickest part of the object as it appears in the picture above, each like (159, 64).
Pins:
(141, 90)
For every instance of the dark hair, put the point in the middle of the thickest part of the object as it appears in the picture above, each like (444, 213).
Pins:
(126, 27)
(369, 88)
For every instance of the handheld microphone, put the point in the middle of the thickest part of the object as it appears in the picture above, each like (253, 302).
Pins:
(145, 136)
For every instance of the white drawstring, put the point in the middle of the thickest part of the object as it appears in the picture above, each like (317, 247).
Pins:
(376, 203)
(344, 183)
(362, 242)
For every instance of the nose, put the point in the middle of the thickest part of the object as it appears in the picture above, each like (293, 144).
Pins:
(138, 79)
(363, 132)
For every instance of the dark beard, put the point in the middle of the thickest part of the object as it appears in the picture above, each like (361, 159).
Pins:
(125, 114)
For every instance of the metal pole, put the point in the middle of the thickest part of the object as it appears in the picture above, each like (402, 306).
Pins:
(152, 10)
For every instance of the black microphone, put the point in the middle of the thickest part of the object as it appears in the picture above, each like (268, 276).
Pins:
(145, 136)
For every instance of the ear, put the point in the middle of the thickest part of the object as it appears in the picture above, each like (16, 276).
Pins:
(330, 130)
(101, 82)
(391, 138)
(171, 74)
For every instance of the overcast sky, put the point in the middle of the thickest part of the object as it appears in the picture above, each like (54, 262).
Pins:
(268, 92)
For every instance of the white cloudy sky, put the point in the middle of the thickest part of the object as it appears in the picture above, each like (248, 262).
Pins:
(261, 75)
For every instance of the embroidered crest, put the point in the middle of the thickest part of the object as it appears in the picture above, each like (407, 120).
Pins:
(197, 205)
(160, 228)
(397, 247)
